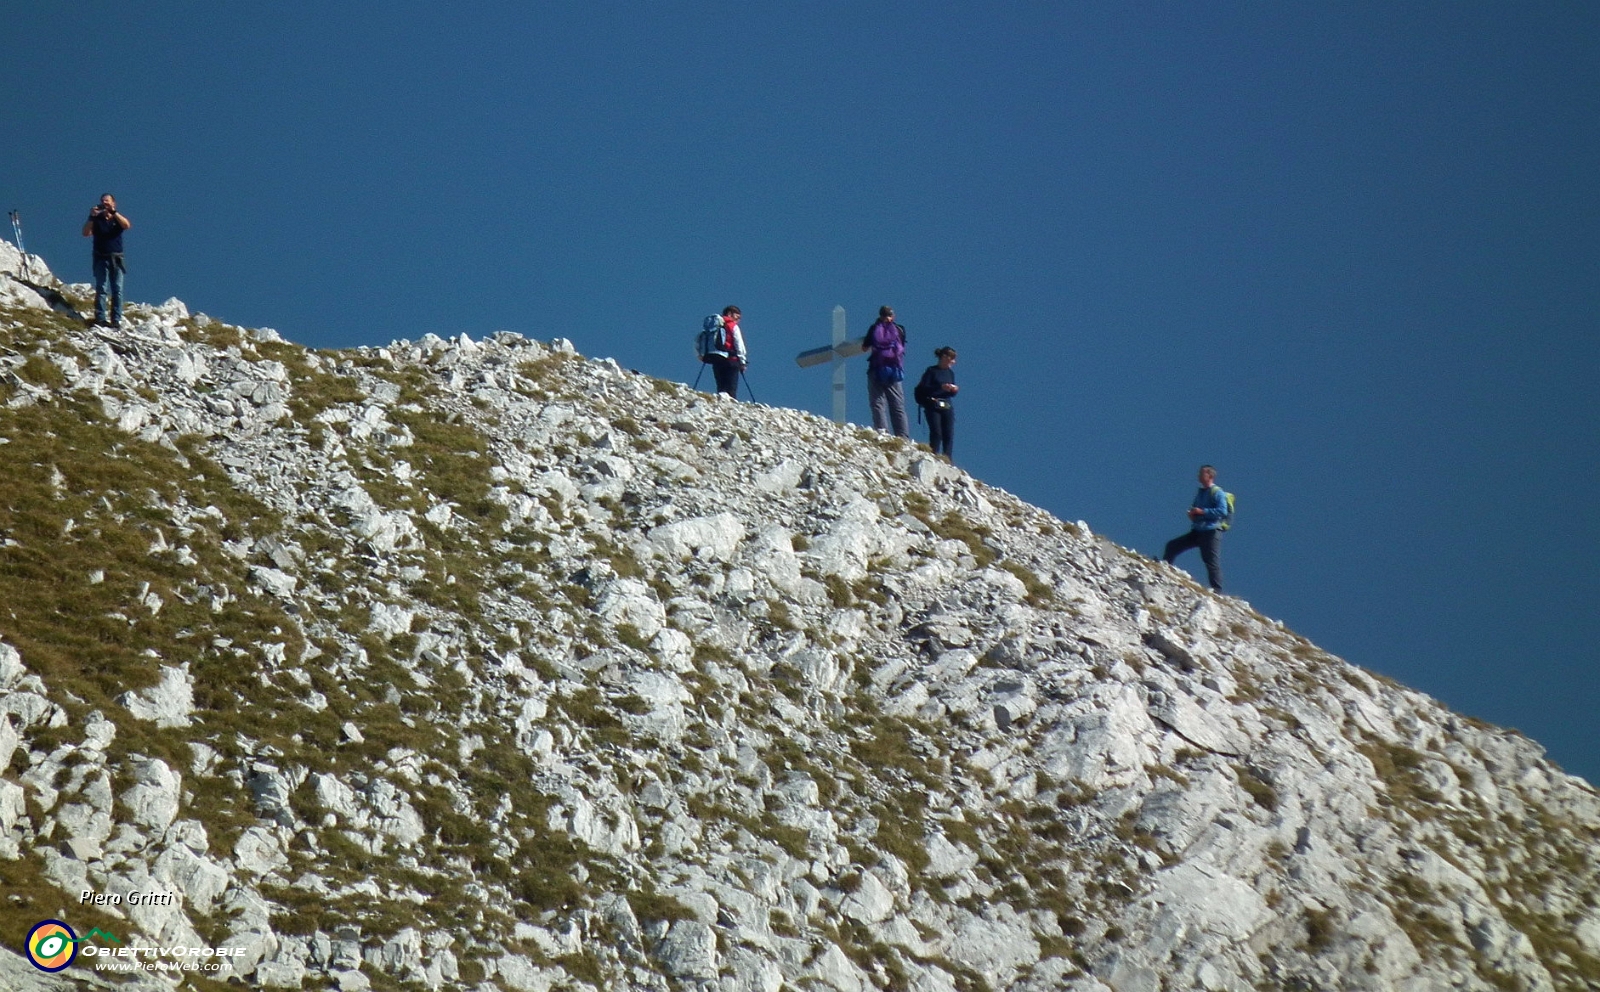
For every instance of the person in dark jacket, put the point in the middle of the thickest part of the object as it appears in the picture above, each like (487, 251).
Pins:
(1207, 516)
(885, 345)
(934, 394)
(106, 225)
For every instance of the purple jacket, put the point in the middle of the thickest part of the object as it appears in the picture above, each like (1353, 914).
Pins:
(887, 343)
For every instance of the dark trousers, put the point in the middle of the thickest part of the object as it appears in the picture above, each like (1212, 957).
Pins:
(1210, 544)
(727, 373)
(941, 428)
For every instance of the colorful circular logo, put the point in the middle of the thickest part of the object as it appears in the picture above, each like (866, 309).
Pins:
(52, 945)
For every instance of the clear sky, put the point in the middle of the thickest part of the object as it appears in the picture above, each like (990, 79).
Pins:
(1349, 253)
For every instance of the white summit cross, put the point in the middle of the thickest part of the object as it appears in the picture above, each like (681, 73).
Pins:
(835, 354)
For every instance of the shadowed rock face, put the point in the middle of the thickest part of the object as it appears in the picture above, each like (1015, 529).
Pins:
(479, 664)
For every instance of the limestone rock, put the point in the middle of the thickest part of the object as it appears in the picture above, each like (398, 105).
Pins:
(153, 799)
(714, 537)
(11, 667)
(689, 950)
(168, 703)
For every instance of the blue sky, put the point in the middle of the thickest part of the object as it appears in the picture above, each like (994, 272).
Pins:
(1348, 253)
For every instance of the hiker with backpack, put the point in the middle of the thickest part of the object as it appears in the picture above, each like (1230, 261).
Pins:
(1210, 514)
(934, 394)
(106, 225)
(720, 344)
(886, 394)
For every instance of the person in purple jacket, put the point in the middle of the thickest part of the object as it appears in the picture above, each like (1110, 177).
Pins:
(886, 394)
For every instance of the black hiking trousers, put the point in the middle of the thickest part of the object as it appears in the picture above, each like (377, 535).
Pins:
(941, 427)
(1210, 544)
(726, 371)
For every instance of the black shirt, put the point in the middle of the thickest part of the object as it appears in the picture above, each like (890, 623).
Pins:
(107, 234)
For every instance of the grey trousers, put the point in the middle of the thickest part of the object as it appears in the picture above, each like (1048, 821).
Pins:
(888, 402)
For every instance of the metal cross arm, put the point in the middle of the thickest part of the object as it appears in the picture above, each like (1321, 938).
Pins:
(827, 353)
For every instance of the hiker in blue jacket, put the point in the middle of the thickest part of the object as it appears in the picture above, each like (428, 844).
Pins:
(1208, 516)
(885, 344)
(935, 393)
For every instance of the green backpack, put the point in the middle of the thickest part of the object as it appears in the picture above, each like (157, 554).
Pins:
(1228, 497)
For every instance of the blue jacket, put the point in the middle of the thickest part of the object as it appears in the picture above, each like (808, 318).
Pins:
(1214, 502)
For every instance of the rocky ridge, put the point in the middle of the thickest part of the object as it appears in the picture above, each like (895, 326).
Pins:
(479, 664)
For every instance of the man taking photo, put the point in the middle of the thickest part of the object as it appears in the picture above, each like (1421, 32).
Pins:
(106, 225)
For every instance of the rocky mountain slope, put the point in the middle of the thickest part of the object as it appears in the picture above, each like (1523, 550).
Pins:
(481, 665)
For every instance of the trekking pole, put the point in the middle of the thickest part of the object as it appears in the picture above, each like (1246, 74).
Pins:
(698, 374)
(16, 229)
(747, 388)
